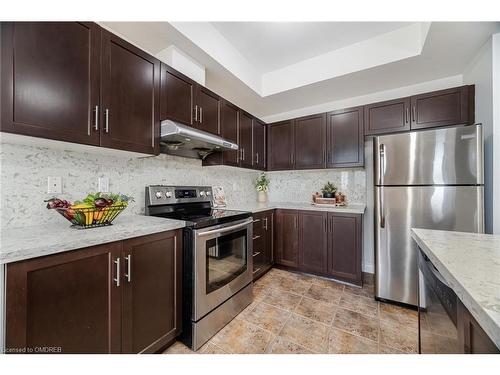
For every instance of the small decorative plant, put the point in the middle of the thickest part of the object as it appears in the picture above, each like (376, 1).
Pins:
(262, 183)
(262, 186)
(329, 190)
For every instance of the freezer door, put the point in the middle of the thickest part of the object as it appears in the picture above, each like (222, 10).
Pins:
(397, 210)
(451, 156)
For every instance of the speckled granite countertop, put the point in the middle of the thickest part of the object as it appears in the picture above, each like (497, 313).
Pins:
(31, 242)
(353, 208)
(470, 263)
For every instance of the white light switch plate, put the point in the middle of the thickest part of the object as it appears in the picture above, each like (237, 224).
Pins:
(54, 185)
(103, 184)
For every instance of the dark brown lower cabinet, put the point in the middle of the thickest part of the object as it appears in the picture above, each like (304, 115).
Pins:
(287, 238)
(471, 337)
(97, 299)
(151, 292)
(345, 246)
(263, 254)
(313, 242)
(326, 244)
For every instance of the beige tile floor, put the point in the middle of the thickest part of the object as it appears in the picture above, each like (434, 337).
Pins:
(296, 313)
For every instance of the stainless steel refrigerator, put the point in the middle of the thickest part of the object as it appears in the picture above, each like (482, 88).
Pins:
(427, 179)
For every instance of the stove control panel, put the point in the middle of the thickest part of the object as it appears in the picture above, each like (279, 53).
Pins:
(161, 194)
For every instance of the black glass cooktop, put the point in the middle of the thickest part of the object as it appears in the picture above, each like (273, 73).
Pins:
(201, 218)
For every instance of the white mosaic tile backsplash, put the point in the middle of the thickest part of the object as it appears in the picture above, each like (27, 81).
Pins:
(25, 168)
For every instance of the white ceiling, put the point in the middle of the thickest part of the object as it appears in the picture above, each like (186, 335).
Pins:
(272, 45)
(443, 49)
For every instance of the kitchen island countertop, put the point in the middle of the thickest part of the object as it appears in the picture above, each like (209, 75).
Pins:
(352, 208)
(31, 242)
(470, 264)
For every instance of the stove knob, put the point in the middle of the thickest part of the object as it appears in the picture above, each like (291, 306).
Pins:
(168, 194)
(158, 195)
(208, 194)
(202, 193)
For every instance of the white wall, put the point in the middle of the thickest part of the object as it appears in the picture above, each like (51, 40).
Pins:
(479, 72)
(496, 132)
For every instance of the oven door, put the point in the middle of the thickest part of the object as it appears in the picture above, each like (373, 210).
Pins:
(437, 311)
(223, 264)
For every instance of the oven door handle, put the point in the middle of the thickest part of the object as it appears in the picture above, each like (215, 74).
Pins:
(224, 230)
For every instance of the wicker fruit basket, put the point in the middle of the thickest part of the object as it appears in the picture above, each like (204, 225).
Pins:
(84, 218)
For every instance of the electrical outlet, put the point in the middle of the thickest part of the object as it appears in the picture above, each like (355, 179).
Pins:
(103, 184)
(54, 185)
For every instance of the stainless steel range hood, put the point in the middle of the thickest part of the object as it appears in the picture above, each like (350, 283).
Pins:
(182, 140)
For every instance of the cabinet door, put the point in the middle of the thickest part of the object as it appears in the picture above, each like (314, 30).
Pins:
(259, 145)
(345, 246)
(229, 130)
(177, 96)
(152, 291)
(472, 338)
(287, 238)
(246, 140)
(280, 146)
(387, 117)
(69, 301)
(130, 97)
(208, 110)
(345, 138)
(50, 80)
(313, 241)
(310, 142)
(445, 107)
(268, 225)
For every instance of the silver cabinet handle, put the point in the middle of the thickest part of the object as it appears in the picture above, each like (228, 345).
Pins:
(256, 220)
(117, 278)
(325, 225)
(201, 115)
(406, 115)
(106, 120)
(243, 151)
(257, 270)
(257, 253)
(128, 275)
(96, 118)
(257, 157)
(414, 114)
(265, 223)
(255, 237)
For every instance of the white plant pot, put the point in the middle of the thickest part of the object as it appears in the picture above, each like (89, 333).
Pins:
(262, 196)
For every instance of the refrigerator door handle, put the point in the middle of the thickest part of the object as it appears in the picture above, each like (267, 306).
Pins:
(381, 207)
(381, 167)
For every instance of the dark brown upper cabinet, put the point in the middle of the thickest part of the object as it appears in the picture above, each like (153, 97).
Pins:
(345, 138)
(75, 82)
(280, 146)
(387, 117)
(130, 91)
(445, 107)
(151, 292)
(229, 131)
(246, 140)
(313, 241)
(177, 96)
(310, 142)
(259, 144)
(287, 238)
(50, 80)
(345, 246)
(207, 112)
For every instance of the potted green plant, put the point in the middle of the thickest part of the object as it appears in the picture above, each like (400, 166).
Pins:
(262, 186)
(329, 190)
